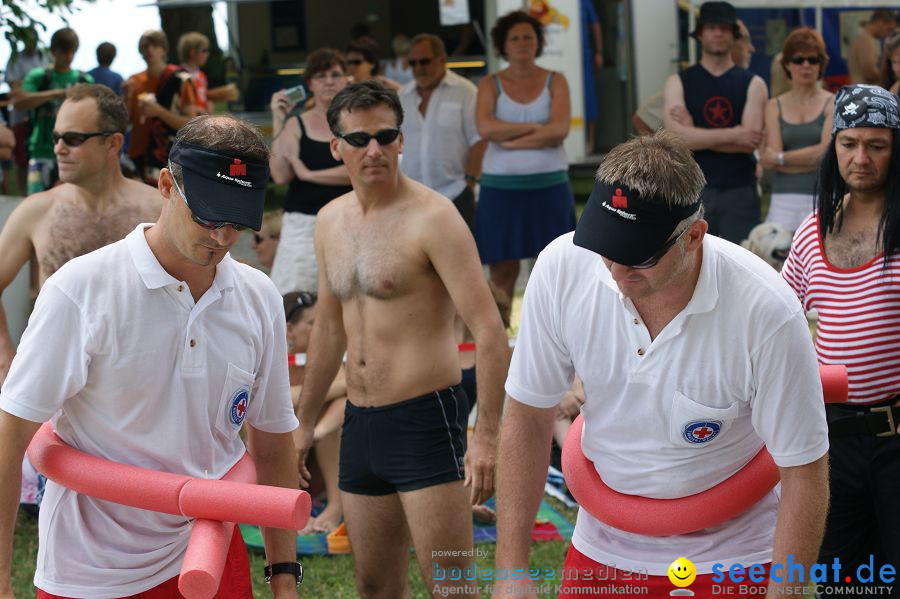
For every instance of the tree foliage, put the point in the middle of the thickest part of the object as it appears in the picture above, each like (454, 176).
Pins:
(18, 17)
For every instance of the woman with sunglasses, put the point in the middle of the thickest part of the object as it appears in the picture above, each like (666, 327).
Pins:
(265, 243)
(301, 157)
(363, 64)
(300, 314)
(523, 110)
(798, 129)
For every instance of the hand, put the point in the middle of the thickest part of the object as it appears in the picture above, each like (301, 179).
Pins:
(279, 103)
(680, 115)
(148, 106)
(598, 60)
(570, 405)
(303, 441)
(480, 462)
(744, 136)
(768, 158)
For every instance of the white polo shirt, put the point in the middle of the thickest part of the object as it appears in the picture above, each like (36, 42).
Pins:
(130, 369)
(436, 146)
(669, 418)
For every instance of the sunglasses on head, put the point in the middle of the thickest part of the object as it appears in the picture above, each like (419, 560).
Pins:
(73, 139)
(361, 139)
(798, 60)
(304, 300)
(210, 225)
(413, 62)
(655, 258)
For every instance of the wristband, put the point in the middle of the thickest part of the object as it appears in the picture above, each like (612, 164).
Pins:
(284, 568)
(780, 159)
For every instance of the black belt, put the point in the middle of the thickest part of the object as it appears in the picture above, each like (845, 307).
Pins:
(880, 420)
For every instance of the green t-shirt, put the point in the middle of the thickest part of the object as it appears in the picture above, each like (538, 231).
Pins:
(40, 144)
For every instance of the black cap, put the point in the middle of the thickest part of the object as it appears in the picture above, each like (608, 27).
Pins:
(222, 186)
(624, 227)
(717, 13)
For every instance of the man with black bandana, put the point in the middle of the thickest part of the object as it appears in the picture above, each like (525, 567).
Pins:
(155, 351)
(693, 355)
(845, 264)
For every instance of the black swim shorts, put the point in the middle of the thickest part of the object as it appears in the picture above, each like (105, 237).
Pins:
(404, 446)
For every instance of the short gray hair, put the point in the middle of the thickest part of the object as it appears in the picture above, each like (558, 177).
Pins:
(656, 166)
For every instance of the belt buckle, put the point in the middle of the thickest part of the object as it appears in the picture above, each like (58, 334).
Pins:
(892, 426)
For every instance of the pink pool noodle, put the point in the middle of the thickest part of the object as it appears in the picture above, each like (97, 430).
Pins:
(274, 507)
(207, 550)
(834, 382)
(665, 517)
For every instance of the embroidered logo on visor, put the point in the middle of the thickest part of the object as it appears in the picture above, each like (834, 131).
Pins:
(239, 402)
(238, 169)
(701, 431)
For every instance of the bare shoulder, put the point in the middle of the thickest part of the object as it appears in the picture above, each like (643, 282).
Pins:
(146, 195)
(34, 208)
(432, 212)
(333, 210)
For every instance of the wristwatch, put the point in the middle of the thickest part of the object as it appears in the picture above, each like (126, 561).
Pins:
(780, 159)
(284, 568)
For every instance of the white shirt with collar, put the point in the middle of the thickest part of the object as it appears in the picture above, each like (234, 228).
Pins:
(739, 354)
(129, 368)
(436, 146)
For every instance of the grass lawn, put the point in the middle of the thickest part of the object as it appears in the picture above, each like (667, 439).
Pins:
(324, 576)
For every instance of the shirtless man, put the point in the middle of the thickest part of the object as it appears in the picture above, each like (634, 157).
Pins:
(94, 206)
(396, 261)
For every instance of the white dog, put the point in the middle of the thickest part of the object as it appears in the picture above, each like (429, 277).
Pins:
(771, 242)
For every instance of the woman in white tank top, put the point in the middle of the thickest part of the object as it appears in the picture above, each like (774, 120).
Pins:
(523, 111)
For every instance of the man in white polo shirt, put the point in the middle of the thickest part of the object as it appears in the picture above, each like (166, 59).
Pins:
(442, 147)
(693, 354)
(154, 351)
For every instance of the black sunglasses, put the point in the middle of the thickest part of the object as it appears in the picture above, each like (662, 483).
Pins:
(259, 238)
(421, 61)
(798, 60)
(655, 258)
(354, 62)
(304, 300)
(73, 139)
(361, 139)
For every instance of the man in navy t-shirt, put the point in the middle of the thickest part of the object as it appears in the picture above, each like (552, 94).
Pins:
(717, 107)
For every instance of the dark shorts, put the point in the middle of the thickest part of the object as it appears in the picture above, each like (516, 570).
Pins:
(404, 446)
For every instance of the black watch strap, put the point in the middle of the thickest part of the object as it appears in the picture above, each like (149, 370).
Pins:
(284, 568)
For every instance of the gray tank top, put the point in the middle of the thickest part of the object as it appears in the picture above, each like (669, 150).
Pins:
(794, 137)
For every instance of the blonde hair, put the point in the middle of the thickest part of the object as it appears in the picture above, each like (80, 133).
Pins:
(190, 42)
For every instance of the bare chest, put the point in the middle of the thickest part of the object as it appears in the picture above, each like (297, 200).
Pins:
(849, 249)
(378, 261)
(69, 231)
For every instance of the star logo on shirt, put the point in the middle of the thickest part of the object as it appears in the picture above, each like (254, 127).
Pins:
(718, 112)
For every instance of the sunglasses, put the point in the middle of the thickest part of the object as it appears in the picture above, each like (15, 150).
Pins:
(361, 139)
(259, 238)
(419, 62)
(209, 225)
(655, 258)
(73, 139)
(798, 60)
(304, 300)
(354, 62)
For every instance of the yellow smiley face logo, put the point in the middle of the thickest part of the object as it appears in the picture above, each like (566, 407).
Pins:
(682, 572)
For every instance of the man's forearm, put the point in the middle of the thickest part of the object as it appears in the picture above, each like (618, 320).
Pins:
(9, 503)
(491, 367)
(697, 138)
(801, 518)
(23, 100)
(523, 457)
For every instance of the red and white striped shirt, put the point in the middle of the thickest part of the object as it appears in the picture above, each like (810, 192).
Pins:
(859, 313)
